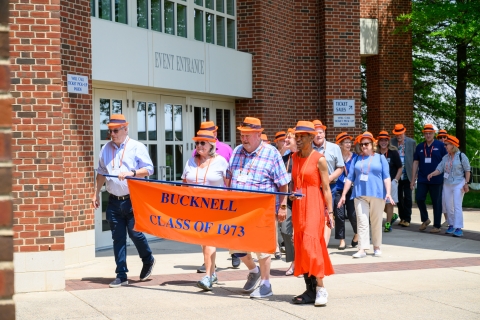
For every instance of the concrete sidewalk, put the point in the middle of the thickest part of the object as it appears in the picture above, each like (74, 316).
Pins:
(420, 275)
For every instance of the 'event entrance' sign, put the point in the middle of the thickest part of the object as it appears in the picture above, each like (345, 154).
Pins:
(343, 106)
(77, 84)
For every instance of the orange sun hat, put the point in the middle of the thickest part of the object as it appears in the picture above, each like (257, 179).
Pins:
(251, 125)
(117, 120)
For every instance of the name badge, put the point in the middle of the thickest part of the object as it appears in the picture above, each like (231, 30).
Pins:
(388, 160)
(428, 160)
(446, 175)
(403, 159)
(242, 178)
(363, 177)
(344, 179)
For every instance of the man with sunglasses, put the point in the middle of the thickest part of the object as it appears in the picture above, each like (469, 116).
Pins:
(123, 157)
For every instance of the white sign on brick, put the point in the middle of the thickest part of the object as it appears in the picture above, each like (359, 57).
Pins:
(344, 121)
(343, 106)
(77, 84)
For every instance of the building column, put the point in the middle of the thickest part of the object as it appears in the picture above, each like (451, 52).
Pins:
(339, 44)
(7, 305)
(389, 74)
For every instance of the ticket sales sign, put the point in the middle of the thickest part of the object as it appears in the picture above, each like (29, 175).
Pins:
(343, 106)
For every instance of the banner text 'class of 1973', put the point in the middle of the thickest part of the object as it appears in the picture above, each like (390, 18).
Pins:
(225, 219)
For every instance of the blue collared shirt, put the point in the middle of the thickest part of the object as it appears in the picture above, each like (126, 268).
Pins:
(135, 157)
(455, 170)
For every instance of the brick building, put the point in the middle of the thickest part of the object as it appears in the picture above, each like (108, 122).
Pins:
(168, 65)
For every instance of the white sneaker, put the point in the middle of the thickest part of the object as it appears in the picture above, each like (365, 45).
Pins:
(377, 253)
(321, 298)
(359, 254)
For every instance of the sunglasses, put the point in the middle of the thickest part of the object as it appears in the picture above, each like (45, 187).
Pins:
(115, 130)
(443, 138)
(364, 144)
(202, 143)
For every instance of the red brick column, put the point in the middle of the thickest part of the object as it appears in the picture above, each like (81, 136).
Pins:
(38, 142)
(7, 306)
(77, 125)
(389, 74)
(339, 61)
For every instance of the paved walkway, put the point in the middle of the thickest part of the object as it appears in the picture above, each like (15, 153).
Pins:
(420, 275)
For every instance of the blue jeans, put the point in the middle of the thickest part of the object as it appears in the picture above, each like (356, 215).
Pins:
(121, 220)
(435, 191)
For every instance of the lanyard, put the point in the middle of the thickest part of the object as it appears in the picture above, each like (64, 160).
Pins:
(251, 163)
(451, 165)
(425, 150)
(205, 176)
(303, 167)
(123, 153)
(371, 158)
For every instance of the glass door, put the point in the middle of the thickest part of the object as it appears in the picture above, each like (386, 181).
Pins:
(176, 147)
(224, 119)
(106, 103)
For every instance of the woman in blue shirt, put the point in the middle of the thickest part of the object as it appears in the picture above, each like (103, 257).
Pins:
(346, 211)
(456, 173)
(370, 175)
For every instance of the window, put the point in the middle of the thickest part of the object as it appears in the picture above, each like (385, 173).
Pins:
(210, 21)
(181, 20)
(198, 21)
(156, 14)
(142, 14)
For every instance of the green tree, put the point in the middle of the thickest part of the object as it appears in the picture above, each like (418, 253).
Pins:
(446, 64)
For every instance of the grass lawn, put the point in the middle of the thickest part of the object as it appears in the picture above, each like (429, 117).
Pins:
(470, 200)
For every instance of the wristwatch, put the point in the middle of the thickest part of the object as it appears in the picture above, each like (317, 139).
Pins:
(134, 172)
(283, 206)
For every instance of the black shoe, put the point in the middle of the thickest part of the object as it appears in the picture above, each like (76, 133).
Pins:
(277, 256)
(147, 270)
(235, 261)
(354, 244)
(341, 248)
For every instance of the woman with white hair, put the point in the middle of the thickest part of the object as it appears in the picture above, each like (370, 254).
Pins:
(456, 174)
(206, 168)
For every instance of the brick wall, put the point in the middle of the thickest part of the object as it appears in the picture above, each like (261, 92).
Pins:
(339, 61)
(77, 130)
(7, 306)
(37, 142)
(305, 54)
(389, 74)
(52, 129)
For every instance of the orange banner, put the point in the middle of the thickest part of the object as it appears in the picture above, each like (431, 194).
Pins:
(225, 219)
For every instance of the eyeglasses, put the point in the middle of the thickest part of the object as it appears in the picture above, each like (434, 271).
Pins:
(442, 138)
(202, 143)
(364, 144)
(115, 130)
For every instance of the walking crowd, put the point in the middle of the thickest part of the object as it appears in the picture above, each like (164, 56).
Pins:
(354, 180)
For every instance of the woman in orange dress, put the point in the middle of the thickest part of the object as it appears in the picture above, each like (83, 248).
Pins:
(310, 178)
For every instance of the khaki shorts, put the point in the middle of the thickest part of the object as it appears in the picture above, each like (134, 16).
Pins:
(259, 255)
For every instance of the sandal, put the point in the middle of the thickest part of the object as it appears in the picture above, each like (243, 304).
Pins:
(305, 298)
(290, 271)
